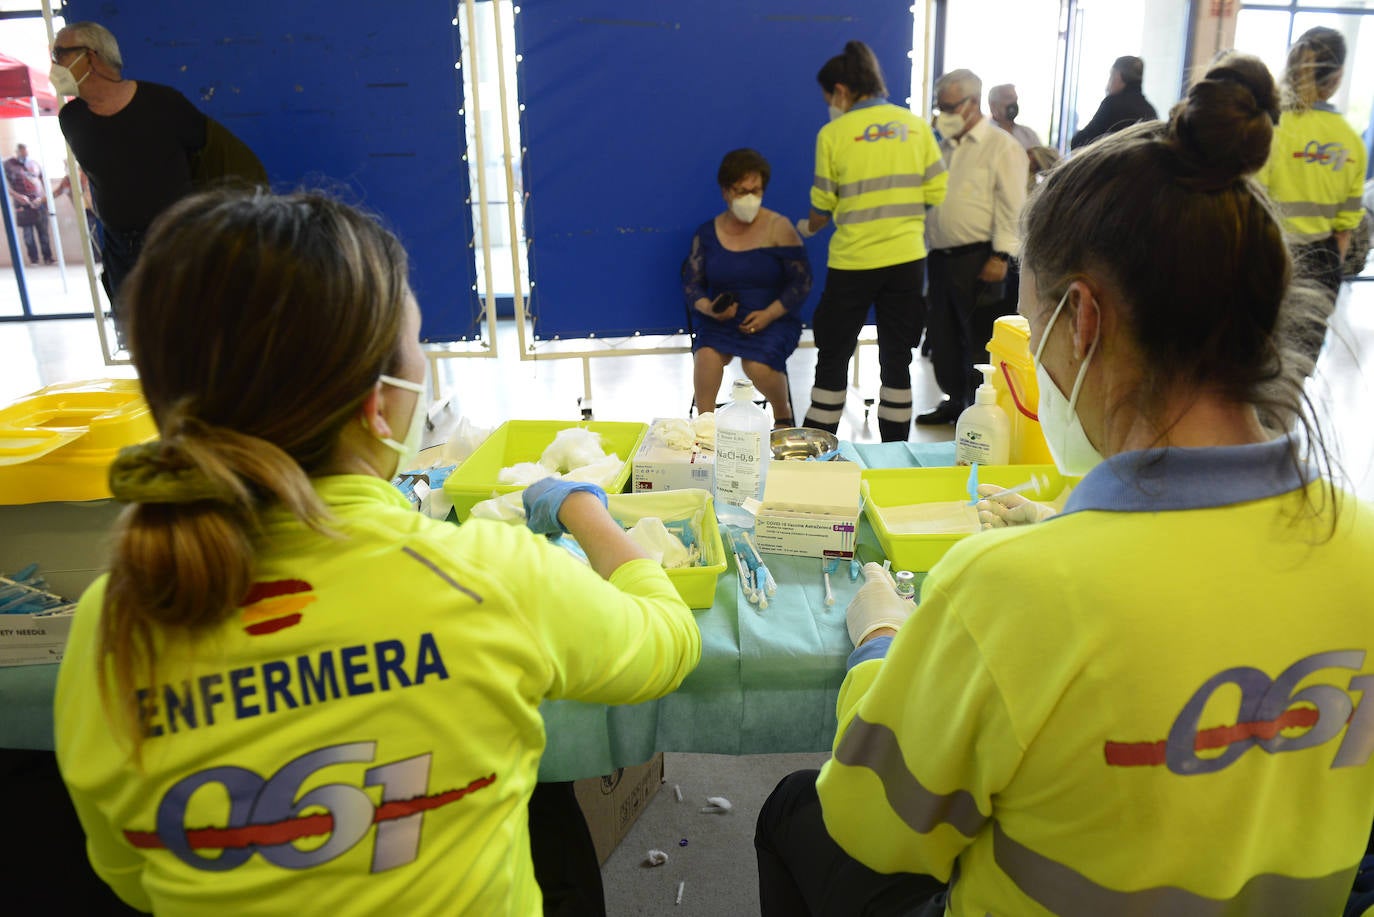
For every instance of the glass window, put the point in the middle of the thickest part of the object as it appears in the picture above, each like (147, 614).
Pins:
(1155, 31)
(500, 198)
(54, 277)
(1341, 4)
(1007, 41)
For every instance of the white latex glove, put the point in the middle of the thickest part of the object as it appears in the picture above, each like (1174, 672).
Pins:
(804, 228)
(875, 605)
(1011, 509)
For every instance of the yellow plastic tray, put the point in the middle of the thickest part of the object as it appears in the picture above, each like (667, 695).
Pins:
(57, 443)
(524, 441)
(884, 488)
(696, 585)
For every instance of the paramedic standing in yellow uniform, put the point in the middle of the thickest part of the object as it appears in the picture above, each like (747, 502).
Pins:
(1315, 172)
(293, 694)
(878, 168)
(1157, 702)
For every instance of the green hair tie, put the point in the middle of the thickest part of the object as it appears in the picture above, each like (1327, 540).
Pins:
(158, 472)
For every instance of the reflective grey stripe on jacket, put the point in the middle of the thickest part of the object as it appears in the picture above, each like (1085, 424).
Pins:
(1060, 888)
(886, 211)
(1313, 209)
(1069, 893)
(874, 746)
(889, 182)
(880, 183)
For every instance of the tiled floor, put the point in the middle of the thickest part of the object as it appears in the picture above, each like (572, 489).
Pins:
(34, 354)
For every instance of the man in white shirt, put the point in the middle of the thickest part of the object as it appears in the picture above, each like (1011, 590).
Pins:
(972, 236)
(1003, 106)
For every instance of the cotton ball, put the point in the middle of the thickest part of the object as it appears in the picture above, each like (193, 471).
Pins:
(704, 429)
(675, 434)
(505, 508)
(660, 544)
(523, 473)
(602, 472)
(655, 858)
(571, 449)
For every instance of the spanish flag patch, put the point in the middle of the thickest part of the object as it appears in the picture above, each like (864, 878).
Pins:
(274, 606)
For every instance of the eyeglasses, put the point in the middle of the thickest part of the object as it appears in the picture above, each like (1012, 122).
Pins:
(741, 192)
(950, 107)
(58, 51)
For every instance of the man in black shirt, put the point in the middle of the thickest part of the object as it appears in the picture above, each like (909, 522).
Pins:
(1123, 106)
(139, 143)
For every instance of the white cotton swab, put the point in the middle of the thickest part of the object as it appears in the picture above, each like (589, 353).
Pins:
(716, 805)
(680, 887)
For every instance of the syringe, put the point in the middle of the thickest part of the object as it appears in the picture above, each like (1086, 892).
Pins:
(1037, 482)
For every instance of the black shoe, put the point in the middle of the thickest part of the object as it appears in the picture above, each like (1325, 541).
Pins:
(945, 412)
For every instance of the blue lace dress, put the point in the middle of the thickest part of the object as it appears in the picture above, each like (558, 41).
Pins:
(757, 277)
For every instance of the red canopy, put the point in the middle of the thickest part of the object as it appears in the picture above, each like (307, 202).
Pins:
(18, 83)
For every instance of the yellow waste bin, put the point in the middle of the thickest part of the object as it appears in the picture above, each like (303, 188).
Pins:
(1018, 393)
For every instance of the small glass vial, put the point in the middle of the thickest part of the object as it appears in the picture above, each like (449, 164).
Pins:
(906, 585)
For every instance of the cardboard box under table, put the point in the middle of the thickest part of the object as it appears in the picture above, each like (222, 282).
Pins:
(810, 509)
(516, 441)
(612, 803)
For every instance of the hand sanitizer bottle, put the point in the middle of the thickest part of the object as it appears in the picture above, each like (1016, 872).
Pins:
(983, 433)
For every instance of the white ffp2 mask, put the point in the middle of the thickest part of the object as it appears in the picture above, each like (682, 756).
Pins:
(949, 124)
(409, 449)
(745, 208)
(62, 79)
(1072, 451)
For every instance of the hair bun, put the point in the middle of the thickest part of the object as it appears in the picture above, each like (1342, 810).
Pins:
(1223, 129)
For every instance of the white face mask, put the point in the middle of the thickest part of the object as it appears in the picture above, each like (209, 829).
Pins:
(949, 124)
(1070, 447)
(409, 450)
(745, 208)
(62, 79)
(835, 112)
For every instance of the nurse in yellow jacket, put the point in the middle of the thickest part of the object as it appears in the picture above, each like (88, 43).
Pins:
(1316, 167)
(878, 168)
(1156, 702)
(293, 694)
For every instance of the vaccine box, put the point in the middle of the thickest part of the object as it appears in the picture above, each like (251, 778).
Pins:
(656, 467)
(810, 509)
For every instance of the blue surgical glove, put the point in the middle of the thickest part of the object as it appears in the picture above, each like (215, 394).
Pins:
(544, 498)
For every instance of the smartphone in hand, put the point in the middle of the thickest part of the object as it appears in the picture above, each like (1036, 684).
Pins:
(723, 302)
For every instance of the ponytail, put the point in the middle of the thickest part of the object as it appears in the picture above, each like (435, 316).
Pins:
(1314, 62)
(857, 68)
(184, 548)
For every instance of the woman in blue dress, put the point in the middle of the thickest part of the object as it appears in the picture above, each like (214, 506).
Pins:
(747, 277)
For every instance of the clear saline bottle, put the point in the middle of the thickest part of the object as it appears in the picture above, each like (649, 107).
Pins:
(742, 454)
